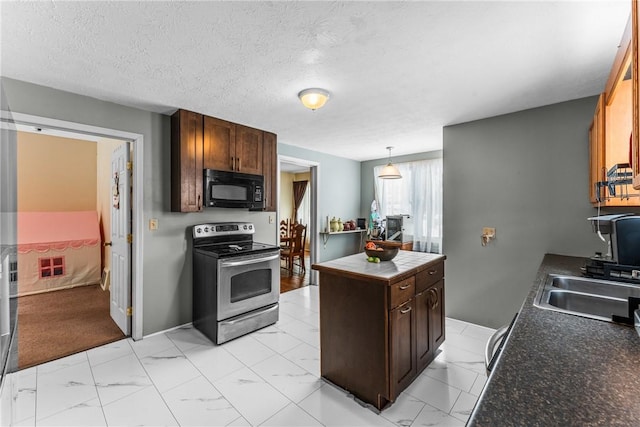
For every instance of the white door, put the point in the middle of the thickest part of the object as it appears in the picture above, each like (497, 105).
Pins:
(121, 238)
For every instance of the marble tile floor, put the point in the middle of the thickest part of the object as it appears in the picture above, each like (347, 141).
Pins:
(267, 378)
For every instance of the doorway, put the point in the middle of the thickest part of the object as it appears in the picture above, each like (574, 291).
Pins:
(11, 121)
(64, 253)
(301, 208)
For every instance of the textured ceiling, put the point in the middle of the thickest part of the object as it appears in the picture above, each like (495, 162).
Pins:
(398, 71)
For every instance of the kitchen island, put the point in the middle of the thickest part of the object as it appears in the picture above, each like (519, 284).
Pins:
(380, 323)
(559, 369)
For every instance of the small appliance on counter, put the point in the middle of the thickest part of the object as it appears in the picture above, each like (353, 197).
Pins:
(377, 230)
(622, 260)
(400, 228)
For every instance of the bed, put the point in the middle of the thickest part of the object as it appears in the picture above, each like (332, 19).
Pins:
(57, 250)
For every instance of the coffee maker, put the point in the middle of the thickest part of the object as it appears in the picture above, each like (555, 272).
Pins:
(621, 232)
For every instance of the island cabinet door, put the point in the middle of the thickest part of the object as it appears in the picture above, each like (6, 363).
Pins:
(402, 353)
(436, 318)
(423, 329)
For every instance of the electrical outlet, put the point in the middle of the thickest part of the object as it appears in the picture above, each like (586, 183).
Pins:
(153, 224)
(489, 231)
(271, 219)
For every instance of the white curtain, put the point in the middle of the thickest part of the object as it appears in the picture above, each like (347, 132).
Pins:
(419, 194)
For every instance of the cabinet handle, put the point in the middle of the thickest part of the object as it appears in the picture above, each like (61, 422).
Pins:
(432, 272)
(233, 159)
(435, 302)
(402, 288)
(238, 159)
(199, 202)
(405, 310)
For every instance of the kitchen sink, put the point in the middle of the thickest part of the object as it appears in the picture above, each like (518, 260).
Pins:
(593, 298)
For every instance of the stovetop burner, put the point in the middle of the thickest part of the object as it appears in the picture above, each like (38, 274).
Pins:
(237, 248)
(225, 239)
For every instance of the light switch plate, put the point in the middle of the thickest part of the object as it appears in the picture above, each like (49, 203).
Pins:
(153, 224)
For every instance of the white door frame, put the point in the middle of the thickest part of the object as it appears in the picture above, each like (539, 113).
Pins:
(137, 140)
(314, 225)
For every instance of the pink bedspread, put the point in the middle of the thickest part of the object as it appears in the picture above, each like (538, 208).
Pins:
(43, 231)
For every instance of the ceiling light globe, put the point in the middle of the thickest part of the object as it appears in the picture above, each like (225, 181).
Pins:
(390, 172)
(313, 98)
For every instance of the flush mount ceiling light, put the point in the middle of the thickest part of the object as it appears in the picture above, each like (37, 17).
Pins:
(390, 171)
(313, 98)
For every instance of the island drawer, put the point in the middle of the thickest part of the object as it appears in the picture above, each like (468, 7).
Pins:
(428, 277)
(402, 292)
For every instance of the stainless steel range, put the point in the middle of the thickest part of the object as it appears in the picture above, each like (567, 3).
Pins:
(236, 281)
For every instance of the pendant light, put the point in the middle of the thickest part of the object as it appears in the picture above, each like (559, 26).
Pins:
(390, 171)
(313, 98)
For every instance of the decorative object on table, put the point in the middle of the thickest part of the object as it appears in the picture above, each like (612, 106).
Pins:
(380, 251)
(390, 171)
(334, 225)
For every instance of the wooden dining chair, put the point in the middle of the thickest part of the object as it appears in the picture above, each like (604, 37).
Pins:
(285, 233)
(296, 249)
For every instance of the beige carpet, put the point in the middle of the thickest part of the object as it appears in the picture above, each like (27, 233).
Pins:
(59, 323)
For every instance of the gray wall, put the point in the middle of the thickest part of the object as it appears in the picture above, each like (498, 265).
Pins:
(167, 258)
(367, 178)
(339, 196)
(526, 174)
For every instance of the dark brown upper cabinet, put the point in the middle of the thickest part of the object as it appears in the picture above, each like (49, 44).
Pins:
(186, 162)
(201, 142)
(232, 147)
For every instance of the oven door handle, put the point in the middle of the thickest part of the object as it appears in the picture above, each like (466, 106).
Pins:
(248, 261)
(246, 317)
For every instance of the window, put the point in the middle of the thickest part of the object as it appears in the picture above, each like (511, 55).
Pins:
(419, 194)
(51, 267)
(13, 270)
(304, 212)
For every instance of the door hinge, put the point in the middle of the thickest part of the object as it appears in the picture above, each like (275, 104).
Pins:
(129, 166)
(129, 311)
(129, 238)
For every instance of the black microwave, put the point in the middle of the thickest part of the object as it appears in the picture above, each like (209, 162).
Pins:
(223, 189)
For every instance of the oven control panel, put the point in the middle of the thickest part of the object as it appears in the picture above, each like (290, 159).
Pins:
(222, 229)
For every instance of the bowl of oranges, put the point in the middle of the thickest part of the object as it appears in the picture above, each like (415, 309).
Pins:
(377, 252)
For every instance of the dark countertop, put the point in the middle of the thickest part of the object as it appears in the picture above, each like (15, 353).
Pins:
(406, 263)
(558, 369)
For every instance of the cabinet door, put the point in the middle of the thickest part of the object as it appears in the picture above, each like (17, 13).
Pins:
(423, 329)
(596, 151)
(219, 144)
(248, 150)
(402, 363)
(270, 171)
(436, 315)
(186, 162)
